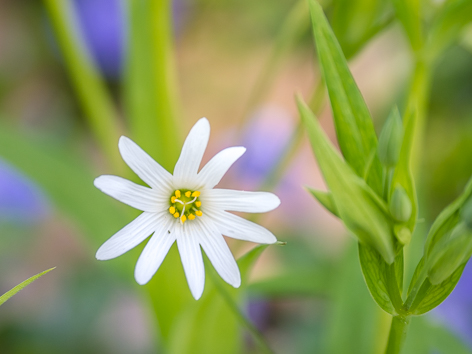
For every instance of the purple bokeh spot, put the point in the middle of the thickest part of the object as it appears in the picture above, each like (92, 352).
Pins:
(265, 138)
(104, 27)
(21, 202)
(456, 310)
(105, 30)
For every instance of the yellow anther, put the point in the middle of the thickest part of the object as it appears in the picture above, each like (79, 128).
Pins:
(191, 216)
(172, 199)
(183, 218)
(198, 204)
(196, 194)
(187, 194)
(176, 215)
(199, 213)
(172, 210)
(177, 193)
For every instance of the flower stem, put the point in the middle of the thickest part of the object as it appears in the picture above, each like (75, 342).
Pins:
(257, 335)
(397, 336)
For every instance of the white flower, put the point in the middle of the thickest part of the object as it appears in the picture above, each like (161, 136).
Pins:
(184, 207)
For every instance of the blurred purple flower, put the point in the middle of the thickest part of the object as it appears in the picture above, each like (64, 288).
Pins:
(456, 310)
(104, 26)
(21, 202)
(265, 138)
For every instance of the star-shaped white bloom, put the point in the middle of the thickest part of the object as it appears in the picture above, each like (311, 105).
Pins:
(186, 208)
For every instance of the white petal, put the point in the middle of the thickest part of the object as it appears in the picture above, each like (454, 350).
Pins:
(191, 257)
(250, 202)
(236, 227)
(130, 236)
(218, 252)
(139, 197)
(155, 251)
(212, 173)
(186, 169)
(145, 166)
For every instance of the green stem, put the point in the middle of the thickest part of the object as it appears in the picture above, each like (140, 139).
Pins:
(393, 289)
(86, 80)
(258, 337)
(151, 81)
(397, 336)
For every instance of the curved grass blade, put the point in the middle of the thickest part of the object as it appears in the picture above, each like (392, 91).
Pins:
(21, 286)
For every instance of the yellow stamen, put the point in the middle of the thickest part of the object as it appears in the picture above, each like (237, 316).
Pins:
(183, 218)
(198, 204)
(172, 210)
(199, 213)
(196, 194)
(191, 216)
(177, 193)
(176, 215)
(172, 199)
(187, 194)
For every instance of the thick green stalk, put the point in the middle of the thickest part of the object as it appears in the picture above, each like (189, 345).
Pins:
(397, 336)
(86, 80)
(151, 105)
(151, 89)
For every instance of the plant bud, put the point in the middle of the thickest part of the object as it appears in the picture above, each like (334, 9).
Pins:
(450, 255)
(390, 140)
(466, 213)
(400, 205)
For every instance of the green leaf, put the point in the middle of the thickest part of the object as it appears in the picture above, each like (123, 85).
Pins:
(325, 198)
(22, 285)
(449, 254)
(375, 271)
(363, 213)
(403, 176)
(447, 220)
(430, 296)
(211, 326)
(409, 14)
(354, 126)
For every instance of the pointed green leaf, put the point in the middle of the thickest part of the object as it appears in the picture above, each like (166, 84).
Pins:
(375, 271)
(22, 285)
(363, 214)
(354, 126)
(431, 296)
(325, 199)
(447, 220)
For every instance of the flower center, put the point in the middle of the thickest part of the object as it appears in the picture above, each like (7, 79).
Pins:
(184, 204)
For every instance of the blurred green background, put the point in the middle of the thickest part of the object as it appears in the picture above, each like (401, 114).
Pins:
(239, 63)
